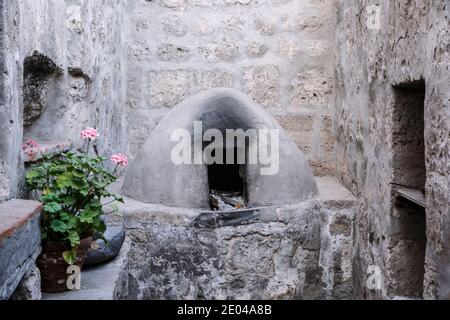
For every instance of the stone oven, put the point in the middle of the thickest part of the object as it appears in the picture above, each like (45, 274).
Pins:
(291, 239)
(154, 178)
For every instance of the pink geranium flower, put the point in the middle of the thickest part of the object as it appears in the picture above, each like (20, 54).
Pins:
(89, 134)
(31, 148)
(120, 160)
(30, 144)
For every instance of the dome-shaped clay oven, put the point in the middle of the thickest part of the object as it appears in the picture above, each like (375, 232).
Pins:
(153, 177)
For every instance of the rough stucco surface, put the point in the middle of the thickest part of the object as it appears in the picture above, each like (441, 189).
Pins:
(412, 43)
(277, 52)
(83, 39)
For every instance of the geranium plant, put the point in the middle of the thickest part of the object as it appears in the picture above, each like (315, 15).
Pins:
(71, 186)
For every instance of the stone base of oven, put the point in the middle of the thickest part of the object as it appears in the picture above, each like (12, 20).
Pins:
(301, 251)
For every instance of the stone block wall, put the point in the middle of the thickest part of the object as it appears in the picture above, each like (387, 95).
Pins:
(20, 244)
(62, 69)
(377, 62)
(279, 52)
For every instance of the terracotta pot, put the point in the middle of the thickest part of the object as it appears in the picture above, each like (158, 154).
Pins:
(53, 267)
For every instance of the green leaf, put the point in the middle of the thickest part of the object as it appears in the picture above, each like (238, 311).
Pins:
(69, 200)
(33, 174)
(78, 184)
(64, 216)
(74, 238)
(58, 226)
(64, 181)
(58, 169)
(95, 205)
(79, 174)
(49, 197)
(72, 223)
(70, 256)
(87, 216)
(99, 225)
(52, 207)
(120, 199)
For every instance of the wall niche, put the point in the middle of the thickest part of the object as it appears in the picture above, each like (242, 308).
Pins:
(56, 102)
(408, 228)
(408, 135)
(41, 83)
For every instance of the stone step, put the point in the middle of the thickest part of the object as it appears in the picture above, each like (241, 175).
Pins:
(20, 242)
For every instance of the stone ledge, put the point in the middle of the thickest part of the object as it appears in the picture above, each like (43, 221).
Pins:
(108, 281)
(48, 148)
(15, 213)
(20, 241)
(333, 194)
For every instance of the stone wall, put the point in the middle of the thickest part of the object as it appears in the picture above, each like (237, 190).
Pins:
(379, 67)
(300, 251)
(279, 52)
(62, 69)
(20, 244)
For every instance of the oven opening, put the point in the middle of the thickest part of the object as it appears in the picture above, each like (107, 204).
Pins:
(227, 182)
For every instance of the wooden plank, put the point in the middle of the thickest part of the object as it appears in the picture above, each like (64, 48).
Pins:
(411, 194)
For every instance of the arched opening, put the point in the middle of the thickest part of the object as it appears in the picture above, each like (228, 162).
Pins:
(227, 182)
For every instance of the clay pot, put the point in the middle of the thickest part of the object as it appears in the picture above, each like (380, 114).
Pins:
(53, 267)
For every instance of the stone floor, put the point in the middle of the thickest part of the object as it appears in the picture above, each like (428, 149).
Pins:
(108, 281)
